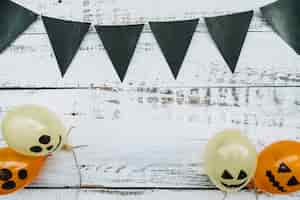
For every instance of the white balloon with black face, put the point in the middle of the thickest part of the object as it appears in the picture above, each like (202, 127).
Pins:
(230, 160)
(33, 130)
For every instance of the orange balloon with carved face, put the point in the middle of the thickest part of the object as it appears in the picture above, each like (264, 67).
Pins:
(278, 168)
(17, 170)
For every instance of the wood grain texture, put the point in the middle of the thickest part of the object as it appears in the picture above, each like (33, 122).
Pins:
(273, 63)
(30, 62)
(144, 139)
(59, 171)
(137, 195)
(152, 137)
(258, 23)
(132, 11)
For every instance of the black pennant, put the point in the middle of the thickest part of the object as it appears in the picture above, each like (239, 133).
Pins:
(65, 38)
(284, 17)
(120, 43)
(174, 39)
(229, 33)
(14, 20)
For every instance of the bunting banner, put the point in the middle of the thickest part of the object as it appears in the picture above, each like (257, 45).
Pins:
(120, 43)
(14, 20)
(174, 39)
(284, 18)
(228, 32)
(65, 38)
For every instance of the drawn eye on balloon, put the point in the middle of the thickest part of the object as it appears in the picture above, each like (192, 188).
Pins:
(230, 160)
(17, 170)
(278, 169)
(32, 133)
(33, 130)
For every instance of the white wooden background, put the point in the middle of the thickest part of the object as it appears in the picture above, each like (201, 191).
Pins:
(143, 139)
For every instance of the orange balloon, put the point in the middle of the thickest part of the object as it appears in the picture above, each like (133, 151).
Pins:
(278, 168)
(17, 170)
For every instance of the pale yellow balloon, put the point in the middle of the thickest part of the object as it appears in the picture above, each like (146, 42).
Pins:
(33, 130)
(230, 160)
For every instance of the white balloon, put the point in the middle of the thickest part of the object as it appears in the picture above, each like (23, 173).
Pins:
(33, 130)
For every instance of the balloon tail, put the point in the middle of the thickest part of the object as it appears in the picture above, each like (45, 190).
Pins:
(71, 148)
(77, 166)
(68, 147)
(70, 130)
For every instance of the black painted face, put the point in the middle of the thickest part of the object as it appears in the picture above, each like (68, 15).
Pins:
(231, 180)
(6, 176)
(22, 174)
(282, 169)
(44, 139)
(44, 142)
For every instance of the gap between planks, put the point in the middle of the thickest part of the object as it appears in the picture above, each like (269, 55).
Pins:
(95, 194)
(118, 88)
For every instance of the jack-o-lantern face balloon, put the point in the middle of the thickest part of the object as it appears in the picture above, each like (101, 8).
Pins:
(33, 130)
(17, 170)
(278, 168)
(230, 160)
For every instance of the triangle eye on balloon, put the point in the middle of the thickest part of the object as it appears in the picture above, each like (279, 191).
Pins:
(120, 44)
(174, 39)
(14, 20)
(229, 33)
(65, 38)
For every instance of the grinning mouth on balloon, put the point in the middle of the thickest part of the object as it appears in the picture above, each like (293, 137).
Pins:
(275, 183)
(234, 186)
(59, 143)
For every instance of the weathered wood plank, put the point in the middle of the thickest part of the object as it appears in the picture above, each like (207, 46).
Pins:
(118, 12)
(29, 194)
(150, 131)
(137, 195)
(258, 23)
(153, 137)
(60, 171)
(152, 154)
(30, 62)
(273, 63)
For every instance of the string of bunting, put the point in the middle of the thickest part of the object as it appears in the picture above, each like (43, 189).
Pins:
(173, 37)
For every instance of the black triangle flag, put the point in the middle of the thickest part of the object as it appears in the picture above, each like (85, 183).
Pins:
(120, 43)
(284, 17)
(65, 38)
(14, 20)
(229, 33)
(174, 39)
